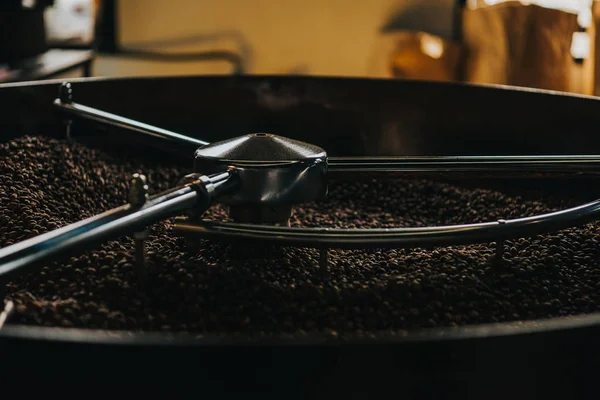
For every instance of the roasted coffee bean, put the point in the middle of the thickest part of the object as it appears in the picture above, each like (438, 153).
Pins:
(220, 287)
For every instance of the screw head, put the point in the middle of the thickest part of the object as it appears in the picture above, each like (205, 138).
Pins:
(138, 193)
(65, 92)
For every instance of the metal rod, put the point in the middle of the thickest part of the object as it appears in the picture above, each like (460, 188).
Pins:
(93, 114)
(65, 103)
(395, 237)
(500, 245)
(403, 164)
(138, 196)
(324, 262)
(323, 257)
(442, 164)
(111, 224)
(522, 165)
(141, 265)
(8, 309)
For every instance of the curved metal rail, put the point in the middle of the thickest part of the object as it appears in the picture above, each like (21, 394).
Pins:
(394, 237)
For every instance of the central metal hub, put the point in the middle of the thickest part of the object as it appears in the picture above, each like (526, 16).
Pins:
(274, 172)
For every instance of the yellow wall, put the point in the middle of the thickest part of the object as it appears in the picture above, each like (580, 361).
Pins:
(318, 37)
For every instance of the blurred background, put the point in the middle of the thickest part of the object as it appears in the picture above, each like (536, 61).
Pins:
(548, 44)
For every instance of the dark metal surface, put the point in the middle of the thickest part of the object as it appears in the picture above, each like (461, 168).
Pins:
(273, 171)
(348, 117)
(517, 361)
(22, 29)
(258, 150)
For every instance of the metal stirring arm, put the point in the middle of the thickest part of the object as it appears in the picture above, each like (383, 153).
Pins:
(478, 165)
(198, 193)
(360, 238)
(437, 165)
(65, 103)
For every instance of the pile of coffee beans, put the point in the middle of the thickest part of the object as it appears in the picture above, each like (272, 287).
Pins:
(224, 288)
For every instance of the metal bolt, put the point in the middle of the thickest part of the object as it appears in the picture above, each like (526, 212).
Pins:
(138, 195)
(324, 262)
(138, 192)
(500, 245)
(68, 124)
(65, 95)
(141, 265)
